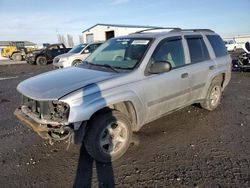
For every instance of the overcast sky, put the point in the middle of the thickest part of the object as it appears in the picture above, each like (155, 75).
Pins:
(39, 21)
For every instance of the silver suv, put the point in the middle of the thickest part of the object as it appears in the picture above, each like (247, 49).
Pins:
(126, 83)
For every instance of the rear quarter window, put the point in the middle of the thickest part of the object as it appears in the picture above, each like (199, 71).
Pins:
(197, 49)
(217, 45)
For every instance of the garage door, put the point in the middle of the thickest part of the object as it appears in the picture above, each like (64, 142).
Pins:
(89, 38)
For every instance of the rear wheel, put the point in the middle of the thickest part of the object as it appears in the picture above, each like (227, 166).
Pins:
(41, 60)
(17, 57)
(213, 97)
(109, 136)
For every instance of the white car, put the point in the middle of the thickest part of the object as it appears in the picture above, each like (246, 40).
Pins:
(76, 55)
(231, 45)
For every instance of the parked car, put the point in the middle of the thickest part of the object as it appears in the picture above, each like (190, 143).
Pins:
(231, 45)
(76, 55)
(46, 55)
(124, 84)
(243, 62)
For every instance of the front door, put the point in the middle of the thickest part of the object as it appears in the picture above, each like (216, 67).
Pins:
(167, 91)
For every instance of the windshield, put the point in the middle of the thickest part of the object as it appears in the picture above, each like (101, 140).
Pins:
(123, 53)
(77, 49)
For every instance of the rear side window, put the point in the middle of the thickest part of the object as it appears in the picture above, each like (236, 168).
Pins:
(217, 45)
(197, 49)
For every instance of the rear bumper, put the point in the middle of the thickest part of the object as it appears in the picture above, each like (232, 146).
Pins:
(41, 130)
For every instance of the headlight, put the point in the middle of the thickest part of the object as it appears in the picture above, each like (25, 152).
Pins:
(59, 110)
(48, 110)
(30, 54)
(64, 59)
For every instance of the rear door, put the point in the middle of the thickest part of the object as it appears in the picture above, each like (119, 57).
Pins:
(221, 56)
(167, 91)
(200, 65)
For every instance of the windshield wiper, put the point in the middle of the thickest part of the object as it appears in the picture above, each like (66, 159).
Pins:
(109, 66)
(102, 65)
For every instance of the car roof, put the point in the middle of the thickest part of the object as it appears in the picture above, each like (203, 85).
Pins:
(161, 33)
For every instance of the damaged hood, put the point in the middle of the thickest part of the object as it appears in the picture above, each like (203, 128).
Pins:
(56, 84)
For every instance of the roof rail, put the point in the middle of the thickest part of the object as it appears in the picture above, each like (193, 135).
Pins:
(156, 28)
(197, 30)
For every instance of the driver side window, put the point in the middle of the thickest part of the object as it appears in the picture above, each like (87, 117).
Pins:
(171, 51)
(92, 48)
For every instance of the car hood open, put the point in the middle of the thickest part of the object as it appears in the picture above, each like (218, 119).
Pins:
(56, 84)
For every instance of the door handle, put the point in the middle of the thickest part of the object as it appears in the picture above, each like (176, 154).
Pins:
(212, 67)
(184, 75)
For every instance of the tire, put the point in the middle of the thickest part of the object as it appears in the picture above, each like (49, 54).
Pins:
(102, 130)
(17, 57)
(41, 60)
(76, 62)
(213, 97)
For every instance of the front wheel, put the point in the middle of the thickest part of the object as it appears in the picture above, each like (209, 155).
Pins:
(41, 60)
(109, 136)
(17, 57)
(213, 97)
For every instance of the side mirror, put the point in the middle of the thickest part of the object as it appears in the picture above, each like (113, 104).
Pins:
(86, 51)
(160, 67)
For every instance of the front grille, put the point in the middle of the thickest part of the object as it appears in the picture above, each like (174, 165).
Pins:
(47, 110)
(32, 105)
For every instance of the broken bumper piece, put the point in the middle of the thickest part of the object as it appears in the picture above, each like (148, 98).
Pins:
(43, 130)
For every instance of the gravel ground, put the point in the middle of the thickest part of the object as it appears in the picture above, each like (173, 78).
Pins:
(189, 148)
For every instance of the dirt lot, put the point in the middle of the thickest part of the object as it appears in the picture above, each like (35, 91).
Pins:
(189, 148)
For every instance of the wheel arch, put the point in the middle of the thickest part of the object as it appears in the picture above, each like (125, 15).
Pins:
(125, 107)
(74, 60)
(221, 76)
(125, 102)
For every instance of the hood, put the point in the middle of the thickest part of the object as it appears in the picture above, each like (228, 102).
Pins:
(56, 84)
(65, 55)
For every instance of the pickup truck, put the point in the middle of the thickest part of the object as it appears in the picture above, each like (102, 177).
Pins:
(46, 55)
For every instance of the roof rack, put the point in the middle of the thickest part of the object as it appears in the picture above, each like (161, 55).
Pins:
(156, 28)
(174, 29)
(198, 30)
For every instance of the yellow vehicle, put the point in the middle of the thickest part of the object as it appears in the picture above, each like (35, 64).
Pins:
(15, 51)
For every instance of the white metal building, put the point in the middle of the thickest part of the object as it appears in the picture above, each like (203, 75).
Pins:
(102, 32)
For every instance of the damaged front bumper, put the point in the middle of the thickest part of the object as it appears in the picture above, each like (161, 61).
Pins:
(46, 131)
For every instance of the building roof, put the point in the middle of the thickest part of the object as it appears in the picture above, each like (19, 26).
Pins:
(121, 25)
(7, 43)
